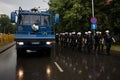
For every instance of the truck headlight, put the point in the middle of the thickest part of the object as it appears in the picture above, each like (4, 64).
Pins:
(48, 43)
(20, 43)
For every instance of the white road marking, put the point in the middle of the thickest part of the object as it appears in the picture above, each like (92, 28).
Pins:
(60, 69)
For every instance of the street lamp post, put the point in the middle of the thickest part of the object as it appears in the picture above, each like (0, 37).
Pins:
(92, 8)
(93, 14)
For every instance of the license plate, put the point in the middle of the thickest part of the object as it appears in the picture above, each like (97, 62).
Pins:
(35, 43)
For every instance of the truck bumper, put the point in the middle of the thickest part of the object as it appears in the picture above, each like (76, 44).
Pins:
(33, 45)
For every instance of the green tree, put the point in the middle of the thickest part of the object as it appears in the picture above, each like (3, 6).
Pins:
(75, 14)
(5, 24)
(72, 13)
(114, 9)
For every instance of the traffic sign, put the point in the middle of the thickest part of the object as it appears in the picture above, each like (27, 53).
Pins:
(93, 20)
(93, 26)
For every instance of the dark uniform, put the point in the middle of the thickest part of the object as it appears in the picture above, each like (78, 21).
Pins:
(65, 40)
(102, 43)
(108, 42)
(70, 40)
(61, 39)
(57, 38)
(73, 40)
(89, 43)
(97, 39)
(85, 41)
(79, 42)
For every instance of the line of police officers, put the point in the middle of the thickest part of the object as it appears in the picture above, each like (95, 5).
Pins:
(86, 41)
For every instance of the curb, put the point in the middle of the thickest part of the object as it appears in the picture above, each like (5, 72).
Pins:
(6, 46)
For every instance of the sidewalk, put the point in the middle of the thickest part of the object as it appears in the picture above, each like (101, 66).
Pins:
(6, 45)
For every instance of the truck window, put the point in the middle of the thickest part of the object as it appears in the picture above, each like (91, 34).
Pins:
(45, 20)
(30, 19)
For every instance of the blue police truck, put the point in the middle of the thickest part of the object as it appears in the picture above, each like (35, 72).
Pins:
(34, 30)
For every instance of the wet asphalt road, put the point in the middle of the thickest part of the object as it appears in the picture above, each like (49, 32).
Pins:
(64, 64)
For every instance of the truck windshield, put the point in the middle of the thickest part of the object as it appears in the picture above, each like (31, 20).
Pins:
(42, 20)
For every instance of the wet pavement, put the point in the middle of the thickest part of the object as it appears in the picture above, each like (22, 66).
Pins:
(64, 64)
(8, 64)
(87, 66)
(5, 46)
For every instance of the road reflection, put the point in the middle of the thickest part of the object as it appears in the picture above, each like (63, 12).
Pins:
(76, 66)
(89, 67)
(33, 68)
(20, 73)
(8, 65)
(48, 72)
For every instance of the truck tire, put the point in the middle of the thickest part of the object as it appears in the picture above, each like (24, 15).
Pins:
(49, 52)
(20, 52)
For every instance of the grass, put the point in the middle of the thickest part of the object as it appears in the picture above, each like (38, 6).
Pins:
(115, 47)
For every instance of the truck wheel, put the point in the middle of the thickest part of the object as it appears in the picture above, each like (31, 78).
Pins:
(19, 52)
(49, 52)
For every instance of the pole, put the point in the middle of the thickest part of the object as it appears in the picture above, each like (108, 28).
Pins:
(92, 8)
(93, 14)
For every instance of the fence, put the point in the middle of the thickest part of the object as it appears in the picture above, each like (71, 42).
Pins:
(5, 38)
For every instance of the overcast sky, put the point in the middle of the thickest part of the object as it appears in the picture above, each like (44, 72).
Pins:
(7, 6)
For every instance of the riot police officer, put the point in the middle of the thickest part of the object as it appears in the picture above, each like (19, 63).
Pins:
(73, 40)
(101, 42)
(85, 40)
(57, 38)
(70, 40)
(61, 39)
(79, 41)
(65, 39)
(89, 42)
(108, 39)
(97, 39)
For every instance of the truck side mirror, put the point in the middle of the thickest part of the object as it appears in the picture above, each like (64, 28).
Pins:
(57, 18)
(13, 17)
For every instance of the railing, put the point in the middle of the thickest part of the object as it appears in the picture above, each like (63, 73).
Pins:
(5, 38)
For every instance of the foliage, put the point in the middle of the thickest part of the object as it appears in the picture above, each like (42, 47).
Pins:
(115, 16)
(5, 25)
(75, 14)
(71, 14)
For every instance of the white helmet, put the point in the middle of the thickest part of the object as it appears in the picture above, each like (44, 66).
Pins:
(79, 33)
(97, 32)
(56, 33)
(66, 32)
(89, 32)
(107, 31)
(100, 32)
(86, 33)
(73, 32)
(63, 33)
(70, 34)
